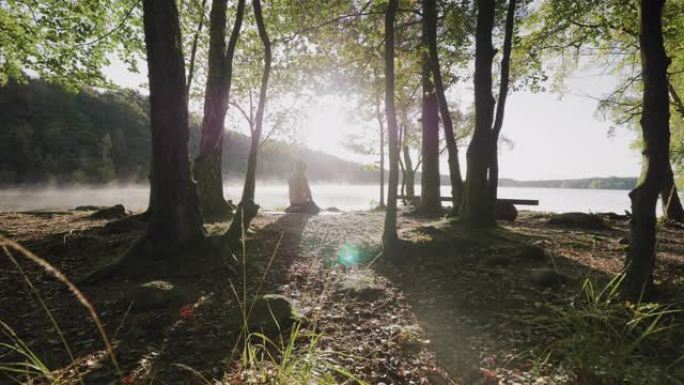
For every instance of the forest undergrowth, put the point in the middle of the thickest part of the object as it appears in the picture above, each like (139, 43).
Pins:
(526, 303)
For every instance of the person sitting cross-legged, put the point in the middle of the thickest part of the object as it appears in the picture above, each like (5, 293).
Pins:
(300, 194)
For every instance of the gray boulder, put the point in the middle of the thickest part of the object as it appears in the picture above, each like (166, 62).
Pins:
(273, 312)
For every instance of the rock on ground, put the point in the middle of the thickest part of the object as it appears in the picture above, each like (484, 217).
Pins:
(116, 211)
(272, 312)
(156, 295)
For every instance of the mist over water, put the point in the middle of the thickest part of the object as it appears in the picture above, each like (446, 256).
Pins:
(274, 197)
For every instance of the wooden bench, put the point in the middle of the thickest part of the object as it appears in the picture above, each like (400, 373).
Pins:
(522, 202)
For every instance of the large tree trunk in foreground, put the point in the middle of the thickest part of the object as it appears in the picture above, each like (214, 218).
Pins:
(389, 236)
(430, 204)
(175, 217)
(207, 168)
(430, 31)
(247, 209)
(655, 128)
(478, 209)
(479, 206)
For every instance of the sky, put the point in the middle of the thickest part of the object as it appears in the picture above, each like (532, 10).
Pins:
(553, 137)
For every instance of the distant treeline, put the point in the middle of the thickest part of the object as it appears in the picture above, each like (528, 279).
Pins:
(48, 134)
(610, 183)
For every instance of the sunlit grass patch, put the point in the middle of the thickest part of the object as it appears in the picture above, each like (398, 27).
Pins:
(297, 359)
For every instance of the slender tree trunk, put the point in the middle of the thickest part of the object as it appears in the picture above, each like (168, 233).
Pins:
(430, 31)
(193, 51)
(430, 181)
(247, 209)
(409, 174)
(207, 168)
(655, 128)
(390, 237)
(175, 217)
(478, 210)
(672, 205)
(381, 125)
(501, 103)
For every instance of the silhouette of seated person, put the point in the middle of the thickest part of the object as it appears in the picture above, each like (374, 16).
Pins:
(300, 193)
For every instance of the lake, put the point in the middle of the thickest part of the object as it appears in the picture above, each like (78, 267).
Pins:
(274, 197)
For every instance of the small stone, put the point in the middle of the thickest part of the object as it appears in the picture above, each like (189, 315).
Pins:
(113, 212)
(273, 312)
(360, 286)
(156, 294)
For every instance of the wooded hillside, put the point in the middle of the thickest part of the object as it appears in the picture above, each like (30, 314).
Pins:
(48, 134)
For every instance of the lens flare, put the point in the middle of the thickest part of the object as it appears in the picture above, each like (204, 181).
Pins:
(348, 255)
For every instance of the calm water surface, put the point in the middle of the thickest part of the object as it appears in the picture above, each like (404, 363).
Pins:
(274, 197)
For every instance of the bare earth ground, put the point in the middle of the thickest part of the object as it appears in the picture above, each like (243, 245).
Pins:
(448, 311)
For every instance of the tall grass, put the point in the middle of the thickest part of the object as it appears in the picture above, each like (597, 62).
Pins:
(32, 366)
(599, 339)
(294, 360)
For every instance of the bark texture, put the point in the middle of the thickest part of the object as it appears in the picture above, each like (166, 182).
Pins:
(409, 174)
(479, 205)
(430, 31)
(389, 236)
(207, 168)
(430, 204)
(175, 216)
(655, 128)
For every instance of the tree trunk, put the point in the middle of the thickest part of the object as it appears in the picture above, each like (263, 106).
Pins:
(672, 205)
(655, 128)
(175, 217)
(479, 206)
(501, 103)
(478, 209)
(193, 51)
(409, 174)
(381, 125)
(389, 236)
(430, 31)
(430, 181)
(207, 168)
(247, 209)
